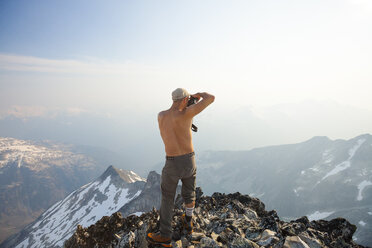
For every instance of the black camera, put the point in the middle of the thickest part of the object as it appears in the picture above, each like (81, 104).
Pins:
(192, 100)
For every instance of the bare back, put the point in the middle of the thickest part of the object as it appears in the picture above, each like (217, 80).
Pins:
(175, 124)
(175, 130)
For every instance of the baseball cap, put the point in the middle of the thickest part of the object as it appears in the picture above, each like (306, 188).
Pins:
(179, 93)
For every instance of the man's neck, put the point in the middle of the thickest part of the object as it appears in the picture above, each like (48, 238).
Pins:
(175, 106)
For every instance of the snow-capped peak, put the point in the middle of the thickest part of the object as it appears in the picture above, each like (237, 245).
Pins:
(102, 197)
(127, 176)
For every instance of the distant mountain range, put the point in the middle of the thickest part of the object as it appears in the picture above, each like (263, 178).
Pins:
(320, 178)
(35, 175)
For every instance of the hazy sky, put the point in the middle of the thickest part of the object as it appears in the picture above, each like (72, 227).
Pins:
(281, 71)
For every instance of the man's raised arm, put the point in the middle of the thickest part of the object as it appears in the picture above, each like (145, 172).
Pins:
(201, 104)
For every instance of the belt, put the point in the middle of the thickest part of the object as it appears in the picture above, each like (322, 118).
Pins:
(185, 155)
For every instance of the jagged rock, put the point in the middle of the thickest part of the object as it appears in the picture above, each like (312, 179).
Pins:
(178, 244)
(127, 241)
(294, 242)
(336, 228)
(214, 236)
(149, 197)
(207, 242)
(310, 241)
(270, 221)
(251, 214)
(228, 221)
(241, 242)
(293, 228)
(252, 232)
(268, 237)
(197, 236)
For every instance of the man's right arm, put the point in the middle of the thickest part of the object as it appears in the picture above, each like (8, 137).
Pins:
(200, 105)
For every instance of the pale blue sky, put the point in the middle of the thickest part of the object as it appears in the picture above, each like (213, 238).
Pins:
(278, 65)
(268, 51)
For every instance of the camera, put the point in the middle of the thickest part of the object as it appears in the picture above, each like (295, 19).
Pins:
(192, 100)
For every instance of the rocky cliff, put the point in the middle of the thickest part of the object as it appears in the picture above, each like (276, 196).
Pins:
(222, 220)
(149, 197)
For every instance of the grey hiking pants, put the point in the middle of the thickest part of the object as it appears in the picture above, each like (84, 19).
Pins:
(176, 168)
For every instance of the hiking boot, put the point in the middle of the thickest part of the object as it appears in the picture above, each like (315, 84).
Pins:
(187, 225)
(157, 239)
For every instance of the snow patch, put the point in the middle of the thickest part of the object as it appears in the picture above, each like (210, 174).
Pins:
(329, 160)
(137, 213)
(133, 177)
(297, 190)
(346, 164)
(361, 187)
(319, 215)
(353, 150)
(340, 167)
(362, 223)
(24, 243)
(260, 195)
(314, 169)
(326, 157)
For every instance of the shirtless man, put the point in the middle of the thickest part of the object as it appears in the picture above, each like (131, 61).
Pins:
(175, 130)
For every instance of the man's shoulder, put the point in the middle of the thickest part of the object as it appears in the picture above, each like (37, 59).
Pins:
(163, 113)
(172, 114)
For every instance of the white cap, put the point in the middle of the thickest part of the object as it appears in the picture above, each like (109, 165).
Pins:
(179, 94)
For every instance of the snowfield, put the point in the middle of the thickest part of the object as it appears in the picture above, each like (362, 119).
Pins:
(346, 164)
(361, 187)
(319, 215)
(84, 206)
(27, 152)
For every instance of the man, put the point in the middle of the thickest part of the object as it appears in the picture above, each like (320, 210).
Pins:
(175, 130)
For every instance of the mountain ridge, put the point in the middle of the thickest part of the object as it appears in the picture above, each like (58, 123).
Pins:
(314, 159)
(232, 220)
(315, 176)
(127, 175)
(84, 206)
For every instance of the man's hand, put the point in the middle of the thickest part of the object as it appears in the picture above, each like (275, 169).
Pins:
(197, 96)
(195, 109)
(202, 95)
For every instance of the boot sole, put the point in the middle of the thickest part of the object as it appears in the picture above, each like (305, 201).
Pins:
(157, 243)
(185, 226)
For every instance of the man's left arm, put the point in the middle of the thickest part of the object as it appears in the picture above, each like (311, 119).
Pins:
(195, 109)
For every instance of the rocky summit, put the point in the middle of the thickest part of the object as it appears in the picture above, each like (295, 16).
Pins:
(221, 220)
